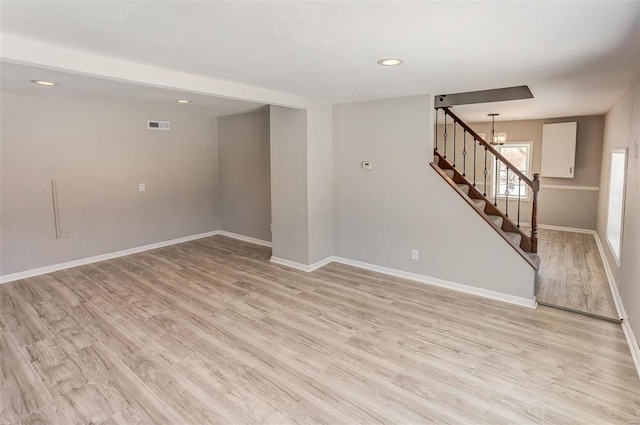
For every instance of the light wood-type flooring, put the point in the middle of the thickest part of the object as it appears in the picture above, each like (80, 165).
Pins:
(572, 275)
(210, 332)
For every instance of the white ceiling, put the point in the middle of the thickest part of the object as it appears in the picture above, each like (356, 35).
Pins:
(577, 57)
(16, 79)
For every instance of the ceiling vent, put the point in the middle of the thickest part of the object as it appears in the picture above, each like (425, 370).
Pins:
(158, 125)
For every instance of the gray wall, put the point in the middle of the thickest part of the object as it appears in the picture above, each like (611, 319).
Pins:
(402, 204)
(98, 153)
(289, 207)
(622, 129)
(576, 208)
(244, 173)
(320, 181)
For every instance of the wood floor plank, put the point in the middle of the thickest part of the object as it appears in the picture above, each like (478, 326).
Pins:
(117, 338)
(120, 385)
(173, 388)
(22, 320)
(212, 332)
(55, 367)
(22, 392)
(571, 273)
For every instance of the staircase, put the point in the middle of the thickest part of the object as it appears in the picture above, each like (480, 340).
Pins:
(478, 157)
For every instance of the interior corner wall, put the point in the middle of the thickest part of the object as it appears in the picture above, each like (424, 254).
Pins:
(98, 153)
(289, 206)
(403, 204)
(622, 130)
(320, 181)
(244, 174)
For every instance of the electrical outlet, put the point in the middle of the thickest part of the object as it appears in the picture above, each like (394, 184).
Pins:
(142, 187)
(66, 233)
(415, 254)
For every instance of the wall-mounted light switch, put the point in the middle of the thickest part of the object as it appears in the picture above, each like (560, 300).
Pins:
(142, 187)
(367, 165)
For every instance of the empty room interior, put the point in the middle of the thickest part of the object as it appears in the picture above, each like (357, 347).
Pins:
(319, 212)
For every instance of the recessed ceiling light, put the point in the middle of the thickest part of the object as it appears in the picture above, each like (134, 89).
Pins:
(44, 83)
(183, 101)
(390, 62)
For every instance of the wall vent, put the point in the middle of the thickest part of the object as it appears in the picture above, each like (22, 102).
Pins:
(158, 125)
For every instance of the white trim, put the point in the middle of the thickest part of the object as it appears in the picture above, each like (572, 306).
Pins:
(617, 254)
(244, 238)
(524, 302)
(633, 344)
(566, 187)
(617, 300)
(88, 260)
(561, 228)
(495, 173)
(300, 266)
(321, 263)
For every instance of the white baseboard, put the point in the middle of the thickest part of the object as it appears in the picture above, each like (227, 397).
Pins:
(617, 300)
(244, 238)
(96, 258)
(633, 345)
(561, 228)
(632, 341)
(485, 293)
(102, 257)
(303, 267)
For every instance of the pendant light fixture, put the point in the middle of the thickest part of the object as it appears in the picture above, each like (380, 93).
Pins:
(496, 138)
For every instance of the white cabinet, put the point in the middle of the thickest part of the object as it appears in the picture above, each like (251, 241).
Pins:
(559, 150)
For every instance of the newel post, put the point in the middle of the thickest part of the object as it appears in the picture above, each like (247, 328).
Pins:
(534, 213)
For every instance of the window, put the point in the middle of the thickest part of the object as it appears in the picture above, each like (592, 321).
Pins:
(615, 214)
(519, 154)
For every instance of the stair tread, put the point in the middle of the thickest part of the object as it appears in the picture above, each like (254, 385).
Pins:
(496, 219)
(449, 172)
(514, 237)
(464, 188)
(480, 203)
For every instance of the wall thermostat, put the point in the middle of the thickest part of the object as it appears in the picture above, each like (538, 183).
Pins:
(366, 165)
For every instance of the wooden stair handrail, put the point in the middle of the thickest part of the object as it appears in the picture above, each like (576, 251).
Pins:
(533, 184)
(490, 148)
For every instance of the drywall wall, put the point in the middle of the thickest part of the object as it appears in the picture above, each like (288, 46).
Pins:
(98, 153)
(561, 202)
(289, 207)
(244, 174)
(403, 204)
(622, 130)
(320, 181)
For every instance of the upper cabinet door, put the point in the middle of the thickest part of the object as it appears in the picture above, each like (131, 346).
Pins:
(559, 149)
